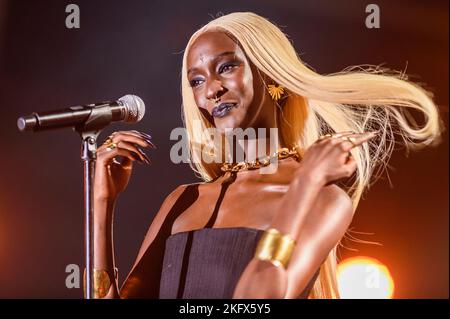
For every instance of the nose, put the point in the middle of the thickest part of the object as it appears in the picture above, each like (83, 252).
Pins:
(214, 90)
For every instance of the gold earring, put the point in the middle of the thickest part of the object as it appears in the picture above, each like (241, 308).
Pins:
(275, 91)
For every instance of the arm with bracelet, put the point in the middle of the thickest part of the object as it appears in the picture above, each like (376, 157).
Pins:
(312, 218)
(105, 274)
(111, 178)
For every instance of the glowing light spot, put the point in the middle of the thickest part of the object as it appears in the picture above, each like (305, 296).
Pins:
(364, 278)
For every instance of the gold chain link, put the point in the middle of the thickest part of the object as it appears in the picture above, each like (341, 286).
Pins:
(262, 162)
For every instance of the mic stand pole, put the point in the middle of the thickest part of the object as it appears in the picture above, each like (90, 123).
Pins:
(89, 132)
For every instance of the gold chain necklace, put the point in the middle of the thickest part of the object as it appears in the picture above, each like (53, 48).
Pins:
(260, 162)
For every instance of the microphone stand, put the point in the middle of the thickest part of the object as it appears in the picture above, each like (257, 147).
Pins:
(98, 119)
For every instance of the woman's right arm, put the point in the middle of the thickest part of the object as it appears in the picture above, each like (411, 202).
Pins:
(111, 178)
(103, 244)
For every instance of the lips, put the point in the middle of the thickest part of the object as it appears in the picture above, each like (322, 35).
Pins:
(222, 109)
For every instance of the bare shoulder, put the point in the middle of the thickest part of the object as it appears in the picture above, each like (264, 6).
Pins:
(170, 200)
(160, 217)
(174, 194)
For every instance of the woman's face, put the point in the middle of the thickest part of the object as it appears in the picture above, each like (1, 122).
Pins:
(226, 86)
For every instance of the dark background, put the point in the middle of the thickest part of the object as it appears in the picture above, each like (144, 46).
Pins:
(135, 47)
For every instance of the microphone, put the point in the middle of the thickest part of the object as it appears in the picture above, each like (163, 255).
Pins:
(129, 108)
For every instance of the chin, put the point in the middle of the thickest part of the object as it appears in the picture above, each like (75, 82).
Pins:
(223, 125)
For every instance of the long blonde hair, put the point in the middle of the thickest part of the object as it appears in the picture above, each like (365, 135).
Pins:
(357, 99)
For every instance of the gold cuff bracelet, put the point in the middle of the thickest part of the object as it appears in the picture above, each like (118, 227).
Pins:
(101, 282)
(275, 248)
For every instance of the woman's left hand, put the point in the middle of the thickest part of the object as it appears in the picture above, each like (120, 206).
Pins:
(328, 160)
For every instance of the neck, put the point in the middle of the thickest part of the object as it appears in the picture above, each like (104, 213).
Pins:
(258, 140)
(257, 148)
(249, 149)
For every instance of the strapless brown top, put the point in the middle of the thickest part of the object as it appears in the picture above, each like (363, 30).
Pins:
(207, 263)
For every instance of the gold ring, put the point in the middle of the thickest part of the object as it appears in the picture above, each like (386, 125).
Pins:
(325, 136)
(321, 138)
(111, 146)
(351, 140)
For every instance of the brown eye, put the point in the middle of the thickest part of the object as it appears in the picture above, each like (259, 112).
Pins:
(226, 67)
(195, 82)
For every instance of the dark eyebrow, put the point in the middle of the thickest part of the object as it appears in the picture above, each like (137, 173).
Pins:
(215, 58)
(225, 53)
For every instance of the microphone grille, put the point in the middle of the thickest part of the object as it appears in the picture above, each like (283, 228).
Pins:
(135, 108)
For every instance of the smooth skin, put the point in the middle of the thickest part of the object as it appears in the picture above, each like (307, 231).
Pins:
(299, 199)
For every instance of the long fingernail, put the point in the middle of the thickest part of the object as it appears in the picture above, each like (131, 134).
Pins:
(138, 159)
(146, 135)
(140, 152)
(151, 144)
(146, 158)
